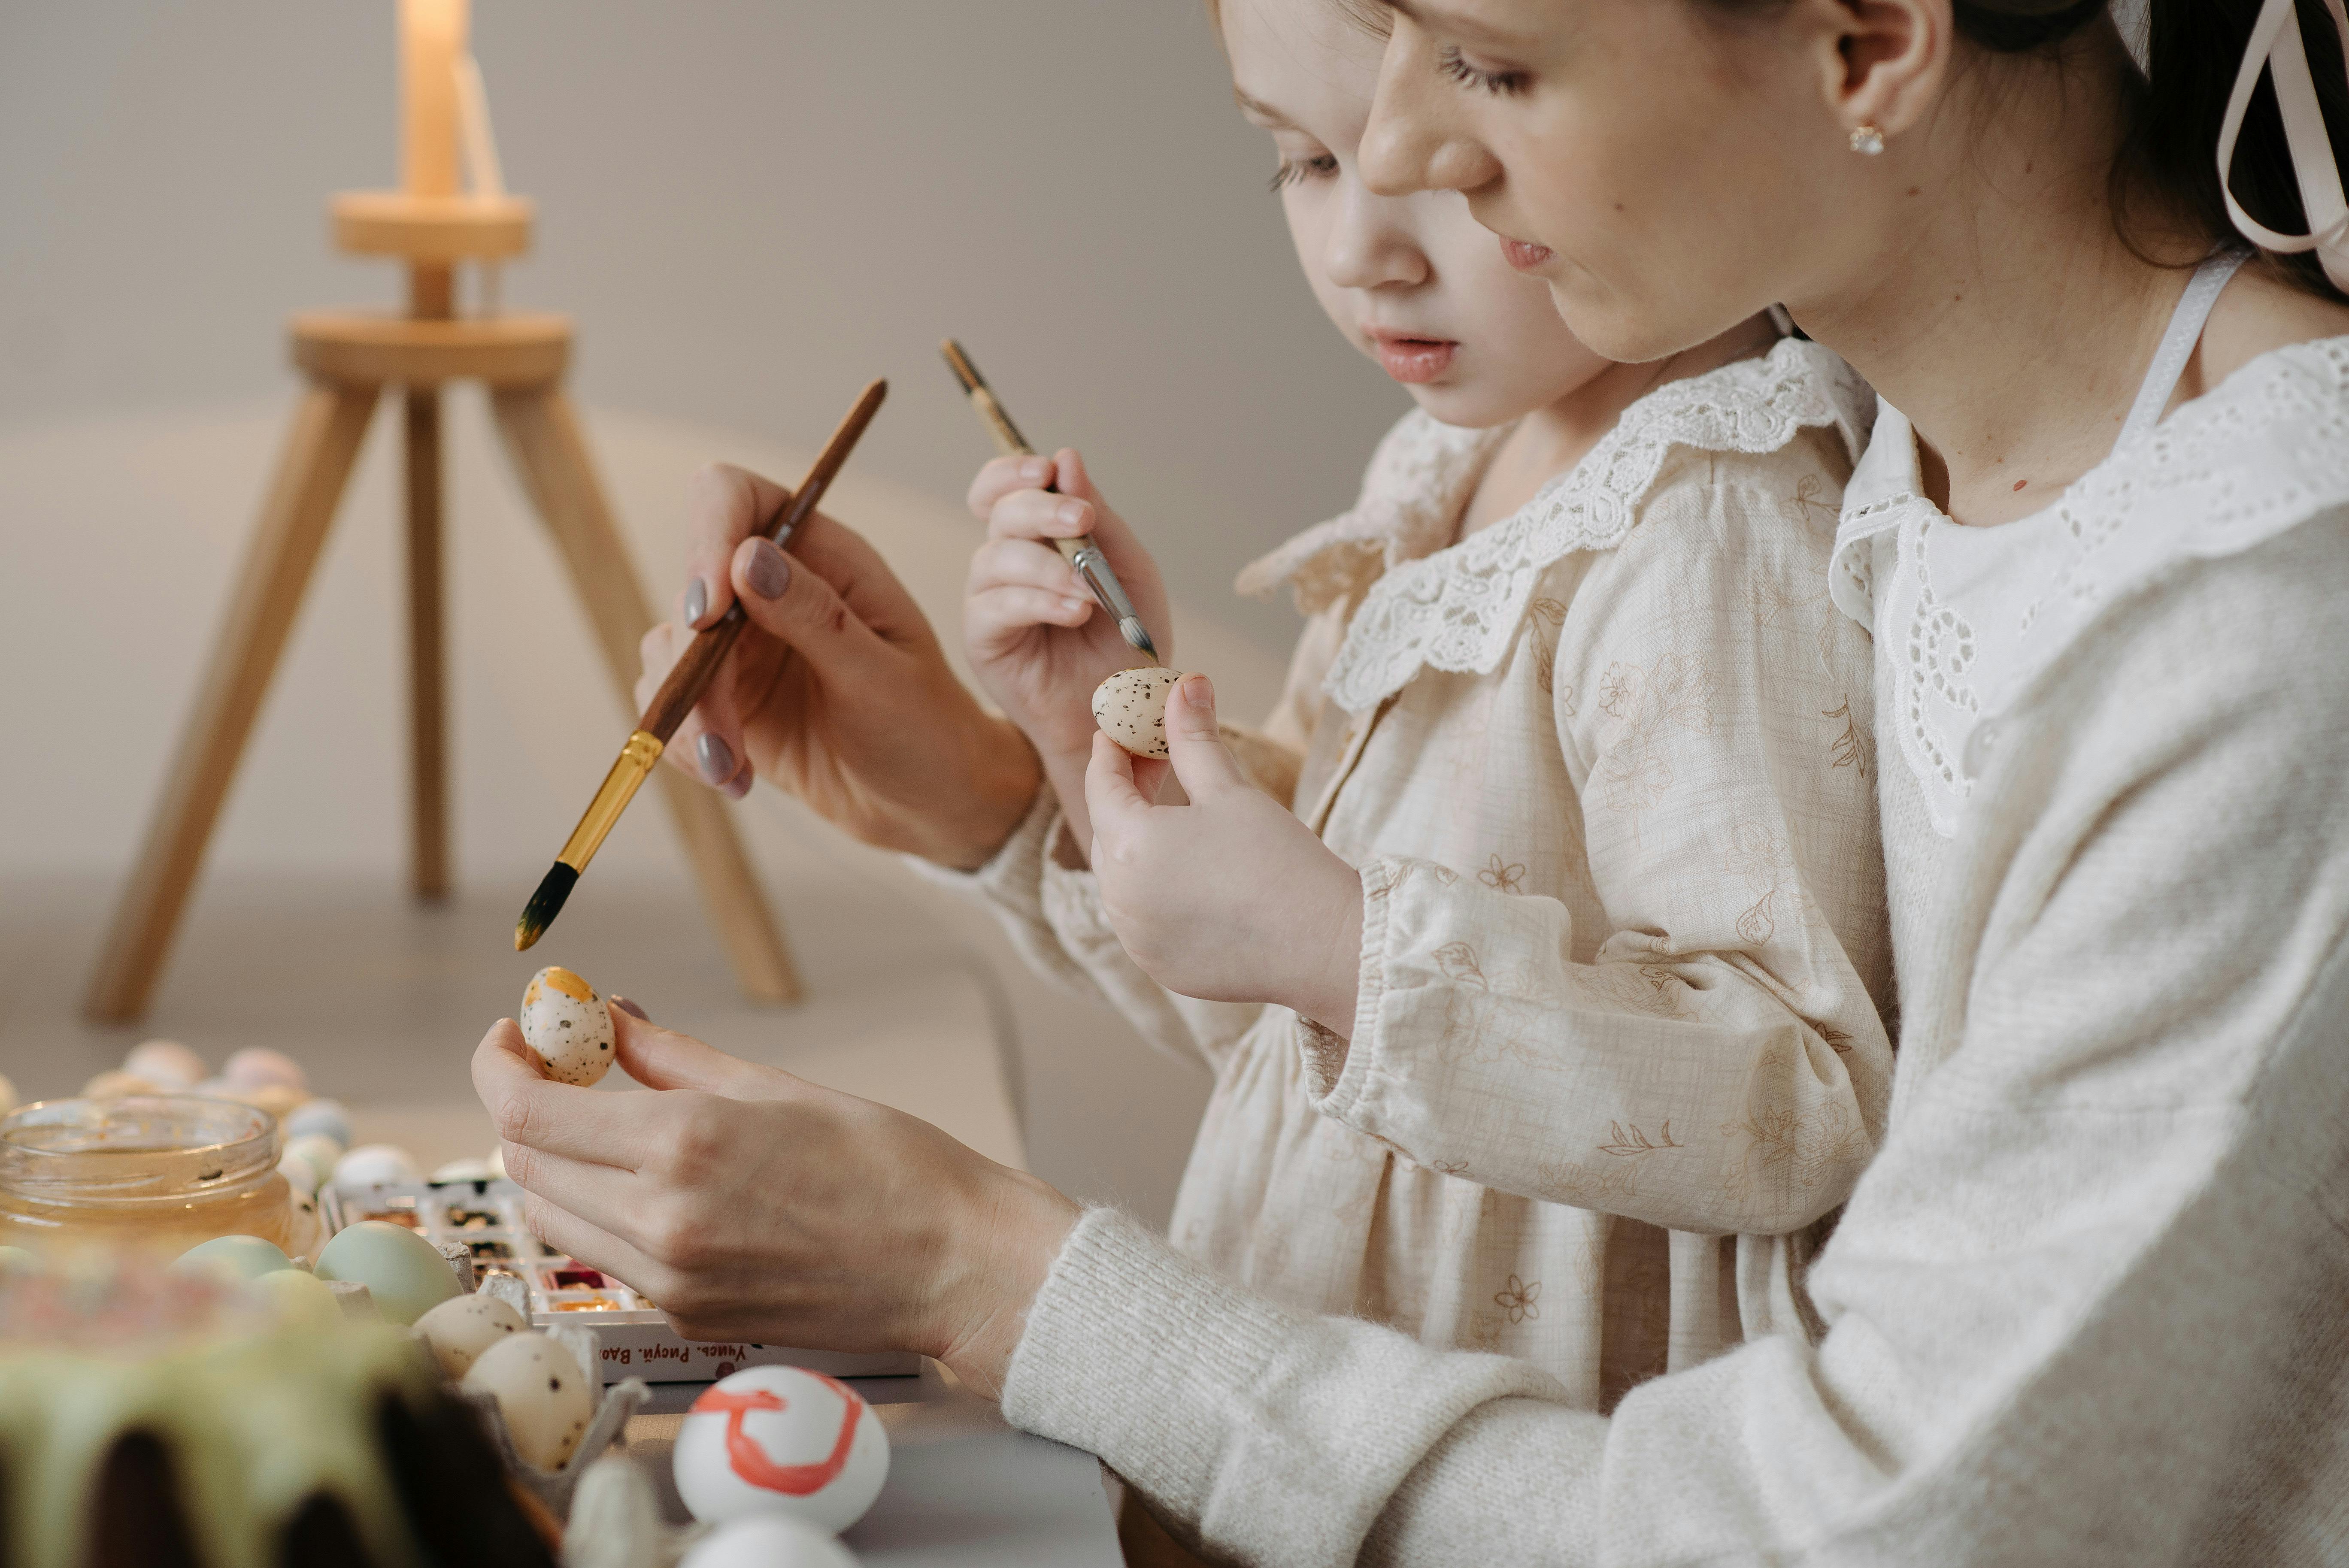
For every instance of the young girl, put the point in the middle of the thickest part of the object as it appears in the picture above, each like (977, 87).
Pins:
(1576, 746)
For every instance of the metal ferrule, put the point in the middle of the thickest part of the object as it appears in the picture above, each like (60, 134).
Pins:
(636, 764)
(1093, 567)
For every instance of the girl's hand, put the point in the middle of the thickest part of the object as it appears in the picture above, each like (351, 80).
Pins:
(1038, 642)
(754, 1206)
(837, 690)
(1229, 898)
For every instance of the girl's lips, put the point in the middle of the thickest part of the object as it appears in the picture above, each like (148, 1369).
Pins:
(1413, 360)
(1524, 257)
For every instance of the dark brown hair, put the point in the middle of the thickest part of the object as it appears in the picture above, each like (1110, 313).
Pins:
(2170, 147)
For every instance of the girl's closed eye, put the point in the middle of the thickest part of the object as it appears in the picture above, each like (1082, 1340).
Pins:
(1502, 83)
(1293, 170)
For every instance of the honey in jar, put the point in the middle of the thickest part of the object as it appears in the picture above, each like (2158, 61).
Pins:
(156, 1173)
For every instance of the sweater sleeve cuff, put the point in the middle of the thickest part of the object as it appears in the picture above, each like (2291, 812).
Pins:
(1336, 1069)
(1012, 876)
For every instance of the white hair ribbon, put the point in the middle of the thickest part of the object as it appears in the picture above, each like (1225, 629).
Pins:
(2276, 43)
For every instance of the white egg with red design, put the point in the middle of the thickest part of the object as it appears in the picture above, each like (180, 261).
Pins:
(781, 1440)
(567, 1026)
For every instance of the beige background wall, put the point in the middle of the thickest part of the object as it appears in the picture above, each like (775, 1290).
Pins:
(751, 208)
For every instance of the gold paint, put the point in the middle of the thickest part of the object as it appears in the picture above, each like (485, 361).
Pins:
(619, 787)
(564, 981)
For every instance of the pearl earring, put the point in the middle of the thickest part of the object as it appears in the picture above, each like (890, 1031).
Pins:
(1866, 140)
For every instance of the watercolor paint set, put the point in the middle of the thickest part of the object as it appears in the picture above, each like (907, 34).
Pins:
(485, 1219)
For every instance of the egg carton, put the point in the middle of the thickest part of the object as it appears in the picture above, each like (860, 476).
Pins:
(478, 1226)
(613, 1405)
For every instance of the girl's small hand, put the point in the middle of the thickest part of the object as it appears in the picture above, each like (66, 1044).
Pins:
(1229, 898)
(1038, 643)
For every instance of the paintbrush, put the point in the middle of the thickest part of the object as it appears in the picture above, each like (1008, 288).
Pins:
(687, 679)
(1083, 554)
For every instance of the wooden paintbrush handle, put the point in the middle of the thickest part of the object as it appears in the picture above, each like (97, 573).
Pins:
(691, 676)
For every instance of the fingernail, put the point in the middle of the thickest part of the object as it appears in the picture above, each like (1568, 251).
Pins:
(738, 788)
(769, 572)
(1072, 513)
(716, 758)
(631, 1009)
(696, 601)
(1036, 470)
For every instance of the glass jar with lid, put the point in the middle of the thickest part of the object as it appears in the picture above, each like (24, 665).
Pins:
(160, 1172)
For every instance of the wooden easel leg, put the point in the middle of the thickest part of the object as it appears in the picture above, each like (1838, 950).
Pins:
(319, 451)
(427, 682)
(549, 451)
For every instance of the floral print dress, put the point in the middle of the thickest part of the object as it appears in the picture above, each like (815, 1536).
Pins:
(1605, 769)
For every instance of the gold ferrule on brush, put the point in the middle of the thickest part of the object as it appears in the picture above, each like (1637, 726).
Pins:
(637, 760)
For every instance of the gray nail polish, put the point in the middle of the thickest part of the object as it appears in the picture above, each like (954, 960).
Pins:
(740, 786)
(717, 758)
(696, 601)
(631, 1009)
(769, 572)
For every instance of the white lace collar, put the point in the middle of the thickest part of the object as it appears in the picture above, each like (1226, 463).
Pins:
(1973, 616)
(1458, 609)
(1413, 491)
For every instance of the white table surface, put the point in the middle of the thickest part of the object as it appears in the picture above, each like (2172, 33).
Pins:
(965, 1487)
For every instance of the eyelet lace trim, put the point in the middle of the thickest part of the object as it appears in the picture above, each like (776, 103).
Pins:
(1459, 608)
(2267, 450)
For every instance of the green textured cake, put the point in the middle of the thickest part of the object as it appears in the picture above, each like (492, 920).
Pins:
(151, 1420)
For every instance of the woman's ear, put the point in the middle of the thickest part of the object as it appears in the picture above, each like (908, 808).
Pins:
(1881, 62)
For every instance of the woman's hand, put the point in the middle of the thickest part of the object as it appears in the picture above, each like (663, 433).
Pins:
(1038, 644)
(837, 690)
(1229, 898)
(750, 1204)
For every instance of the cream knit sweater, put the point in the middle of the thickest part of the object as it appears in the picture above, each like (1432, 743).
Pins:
(2091, 1303)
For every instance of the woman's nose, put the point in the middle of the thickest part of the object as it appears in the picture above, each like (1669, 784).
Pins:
(1416, 139)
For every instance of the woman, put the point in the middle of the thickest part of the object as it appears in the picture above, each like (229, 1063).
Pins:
(2086, 1306)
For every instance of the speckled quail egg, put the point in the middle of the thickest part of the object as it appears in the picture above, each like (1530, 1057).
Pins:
(1131, 708)
(542, 1394)
(166, 1062)
(567, 1026)
(257, 1064)
(461, 1327)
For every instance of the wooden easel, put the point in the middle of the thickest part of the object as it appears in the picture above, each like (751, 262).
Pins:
(350, 358)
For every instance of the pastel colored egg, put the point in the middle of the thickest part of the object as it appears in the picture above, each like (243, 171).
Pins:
(400, 1269)
(375, 1165)
(257, 1064)
(300, 1175)
(781, 1440)
(320, 1153)
(461, 1327)
(1131, 708)
(278, 1098)
(496, 1163)
(567, 1026)
(320, 1118)
(166, 1062)
(239, 1257)
(216, 1089)
(300, 1300)
(542, 1393)
(116, 1084)
(768, 1541)
(460, 1171)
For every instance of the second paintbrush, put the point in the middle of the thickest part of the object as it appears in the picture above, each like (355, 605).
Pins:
(1092, 565)
(687, 679)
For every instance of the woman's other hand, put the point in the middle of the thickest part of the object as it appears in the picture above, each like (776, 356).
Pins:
(752, 1205)
(837, 690)
(1229, 898)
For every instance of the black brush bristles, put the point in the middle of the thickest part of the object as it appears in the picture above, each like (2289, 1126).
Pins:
(544, 905)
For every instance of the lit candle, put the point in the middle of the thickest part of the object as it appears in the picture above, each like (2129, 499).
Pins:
(432, 41)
